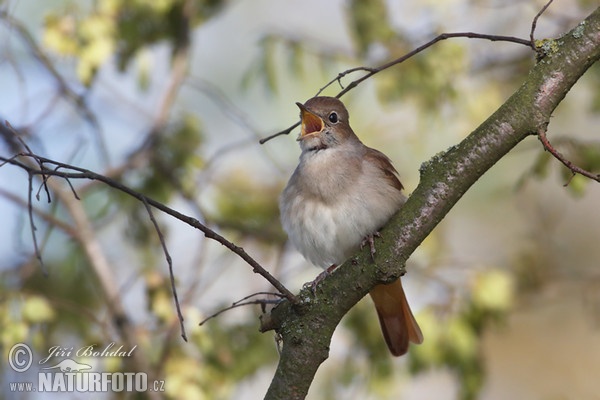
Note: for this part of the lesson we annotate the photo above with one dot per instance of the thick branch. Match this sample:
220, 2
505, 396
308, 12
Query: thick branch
307, 328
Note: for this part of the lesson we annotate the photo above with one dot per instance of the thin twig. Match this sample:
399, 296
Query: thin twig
372, 71
170, 263
81, 173
241, 303
439, 38
44, 186
534, 24
8, 160
258, 294
283, 132
17, 136
574, 168
36, 248
49, 218
72, 189
13, 132
339, 77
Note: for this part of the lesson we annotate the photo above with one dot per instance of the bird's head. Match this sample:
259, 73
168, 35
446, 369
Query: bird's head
324, 124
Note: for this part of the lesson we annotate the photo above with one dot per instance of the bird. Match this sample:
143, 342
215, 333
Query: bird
338, 197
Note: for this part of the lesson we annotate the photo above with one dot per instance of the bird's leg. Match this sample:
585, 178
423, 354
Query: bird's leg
319, 278
369, 239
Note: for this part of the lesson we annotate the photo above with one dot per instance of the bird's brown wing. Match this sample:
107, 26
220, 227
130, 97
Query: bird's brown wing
385, 165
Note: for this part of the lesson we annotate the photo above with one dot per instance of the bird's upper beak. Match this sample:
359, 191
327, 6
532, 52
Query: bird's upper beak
311, 123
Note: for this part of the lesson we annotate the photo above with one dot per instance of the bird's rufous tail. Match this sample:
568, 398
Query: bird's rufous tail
398, 324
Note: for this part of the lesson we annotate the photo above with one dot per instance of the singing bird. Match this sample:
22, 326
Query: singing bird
340, 194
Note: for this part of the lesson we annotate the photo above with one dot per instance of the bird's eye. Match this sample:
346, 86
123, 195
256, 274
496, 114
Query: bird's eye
333, 117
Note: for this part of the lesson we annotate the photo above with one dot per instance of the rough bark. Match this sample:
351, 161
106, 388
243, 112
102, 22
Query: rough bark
306, 328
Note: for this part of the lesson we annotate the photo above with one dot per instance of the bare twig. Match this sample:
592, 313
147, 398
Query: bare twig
13, 134
170, 263
283, 132
372, 71
36, 248
81, 173
49, 218
534, 24
7, 161
243, 302
258, 294
44, 186
439, 38
16, 135
574, 168
72, 189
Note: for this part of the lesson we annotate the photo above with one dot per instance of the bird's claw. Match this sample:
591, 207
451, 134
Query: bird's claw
313, 285
370, 239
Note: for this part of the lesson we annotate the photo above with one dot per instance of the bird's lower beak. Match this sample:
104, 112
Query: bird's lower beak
311, 123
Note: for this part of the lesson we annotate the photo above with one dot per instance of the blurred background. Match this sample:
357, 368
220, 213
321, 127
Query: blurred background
170, 97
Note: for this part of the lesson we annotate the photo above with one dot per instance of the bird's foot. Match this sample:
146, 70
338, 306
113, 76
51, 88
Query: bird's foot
313, 285
370, 239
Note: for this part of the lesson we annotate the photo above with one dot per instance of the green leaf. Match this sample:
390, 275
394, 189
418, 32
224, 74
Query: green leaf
493, 290
37, 309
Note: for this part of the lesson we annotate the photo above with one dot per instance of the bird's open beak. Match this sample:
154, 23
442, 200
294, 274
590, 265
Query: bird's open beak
311, 123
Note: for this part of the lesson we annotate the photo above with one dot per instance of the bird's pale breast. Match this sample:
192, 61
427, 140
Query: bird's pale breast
327, 225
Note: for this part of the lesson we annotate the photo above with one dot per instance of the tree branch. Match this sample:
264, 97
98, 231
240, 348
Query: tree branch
163, 244
307, 327
574, 168
81, 173
375, 70
245, 302
534, 24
